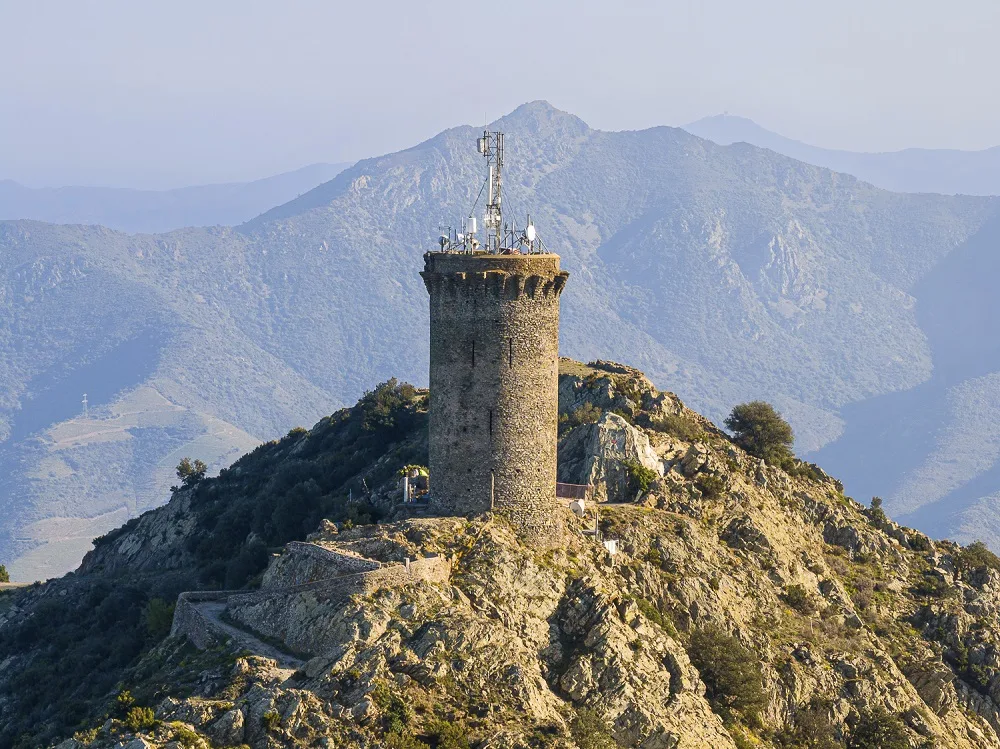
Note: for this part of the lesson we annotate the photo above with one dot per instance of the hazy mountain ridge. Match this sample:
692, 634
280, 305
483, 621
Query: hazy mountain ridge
946, 171
134, 210
726, 273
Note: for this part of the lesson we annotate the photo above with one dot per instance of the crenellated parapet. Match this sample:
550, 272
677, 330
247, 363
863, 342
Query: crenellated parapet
495, 283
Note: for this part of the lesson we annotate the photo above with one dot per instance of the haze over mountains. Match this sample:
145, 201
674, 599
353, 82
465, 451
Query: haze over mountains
725, 272
945, 171
160, 210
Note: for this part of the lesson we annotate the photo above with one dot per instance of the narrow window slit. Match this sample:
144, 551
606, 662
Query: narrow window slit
491, 422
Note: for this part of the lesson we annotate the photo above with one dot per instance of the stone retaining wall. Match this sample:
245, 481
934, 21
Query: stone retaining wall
289, 613
190, 622
295, 614
303, 563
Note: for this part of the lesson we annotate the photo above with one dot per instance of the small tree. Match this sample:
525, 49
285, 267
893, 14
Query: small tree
878, 729
4, 575
731, 673
759, 429
876, 514
590, 731
190, 473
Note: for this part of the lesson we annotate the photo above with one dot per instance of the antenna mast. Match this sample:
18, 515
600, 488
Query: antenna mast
86, 408
491, 146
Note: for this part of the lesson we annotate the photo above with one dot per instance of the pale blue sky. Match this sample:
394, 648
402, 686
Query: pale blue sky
150, 93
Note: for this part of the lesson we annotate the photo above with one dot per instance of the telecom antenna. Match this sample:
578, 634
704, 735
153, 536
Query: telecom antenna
86, 409
500, 238
491, 146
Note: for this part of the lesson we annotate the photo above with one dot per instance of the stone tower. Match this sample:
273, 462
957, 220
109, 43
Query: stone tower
494, 379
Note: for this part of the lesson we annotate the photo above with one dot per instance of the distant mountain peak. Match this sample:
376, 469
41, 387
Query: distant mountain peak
540, 116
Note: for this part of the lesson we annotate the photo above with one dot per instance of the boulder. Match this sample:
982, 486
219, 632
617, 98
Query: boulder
596, 454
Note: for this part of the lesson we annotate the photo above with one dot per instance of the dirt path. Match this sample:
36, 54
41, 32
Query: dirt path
213, 611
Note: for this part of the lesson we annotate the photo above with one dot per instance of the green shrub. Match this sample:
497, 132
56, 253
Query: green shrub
586, 413
139, 719
124, 702
190, 473
4, 575
396, 713
876, 514
710, 485
759, 429
680, 426
930, 585
731, 674
186, 737
976, 557
802, 469
159, 617
590, 731
799, 599
272, 720
878, 729
380, 406
640, 478
448, 735
404, 740
811, 728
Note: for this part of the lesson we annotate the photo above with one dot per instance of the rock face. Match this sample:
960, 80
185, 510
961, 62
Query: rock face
744, 606
599, 454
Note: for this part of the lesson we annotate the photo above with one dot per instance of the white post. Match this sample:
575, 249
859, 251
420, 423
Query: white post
406, 489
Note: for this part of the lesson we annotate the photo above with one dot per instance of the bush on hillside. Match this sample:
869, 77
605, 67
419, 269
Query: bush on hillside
876, 514
4, 575
799, 599
731, 674
976, 557
591, 731
640, 478
759, 429
811, 728
190, 473
680, 426
878, 729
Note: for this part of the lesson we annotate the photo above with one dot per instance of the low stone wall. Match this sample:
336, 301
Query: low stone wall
303, 563
192, 623
294, 614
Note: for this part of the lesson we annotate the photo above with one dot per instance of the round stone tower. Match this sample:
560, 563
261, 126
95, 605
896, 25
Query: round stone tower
494, 380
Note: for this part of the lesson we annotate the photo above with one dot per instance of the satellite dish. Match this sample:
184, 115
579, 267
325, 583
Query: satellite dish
530, 232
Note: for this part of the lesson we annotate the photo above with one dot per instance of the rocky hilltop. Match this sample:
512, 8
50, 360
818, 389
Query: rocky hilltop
724, 602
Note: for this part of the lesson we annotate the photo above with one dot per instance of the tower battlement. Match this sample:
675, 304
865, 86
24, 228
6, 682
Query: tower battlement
494, 380
508, 276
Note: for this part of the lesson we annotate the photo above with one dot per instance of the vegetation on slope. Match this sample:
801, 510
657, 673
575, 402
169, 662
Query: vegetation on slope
65, 662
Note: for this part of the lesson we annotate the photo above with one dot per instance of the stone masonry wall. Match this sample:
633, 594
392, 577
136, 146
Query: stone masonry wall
494, 350
190, 622
293, 614
305, 563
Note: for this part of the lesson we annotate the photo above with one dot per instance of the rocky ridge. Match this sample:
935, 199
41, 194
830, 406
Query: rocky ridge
846, 614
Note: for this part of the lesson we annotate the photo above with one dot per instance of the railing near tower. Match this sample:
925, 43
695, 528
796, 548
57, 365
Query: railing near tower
573, 491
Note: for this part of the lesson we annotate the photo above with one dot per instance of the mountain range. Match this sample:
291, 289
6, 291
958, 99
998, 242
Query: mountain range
726, 272
160, 210
946, 171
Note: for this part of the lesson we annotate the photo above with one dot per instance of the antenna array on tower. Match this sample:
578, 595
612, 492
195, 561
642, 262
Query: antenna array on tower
500, 238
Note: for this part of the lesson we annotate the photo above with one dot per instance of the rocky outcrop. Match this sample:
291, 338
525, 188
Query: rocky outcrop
831, 610
599, 454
